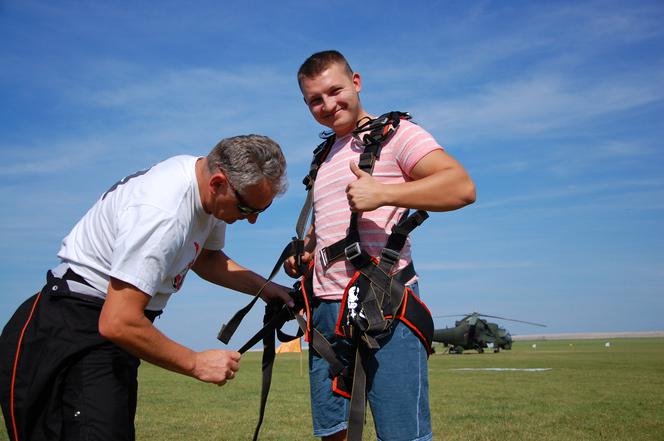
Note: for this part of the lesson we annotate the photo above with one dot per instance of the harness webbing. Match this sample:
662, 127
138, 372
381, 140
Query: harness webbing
276, 315
373, 133
378, 273
228, 329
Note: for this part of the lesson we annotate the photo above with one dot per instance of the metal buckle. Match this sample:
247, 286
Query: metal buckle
390, 255
308, 182
352, 251
322, 255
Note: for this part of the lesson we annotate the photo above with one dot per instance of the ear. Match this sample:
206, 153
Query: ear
217, 182
357, 81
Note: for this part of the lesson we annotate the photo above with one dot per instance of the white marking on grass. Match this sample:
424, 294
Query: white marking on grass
504, 369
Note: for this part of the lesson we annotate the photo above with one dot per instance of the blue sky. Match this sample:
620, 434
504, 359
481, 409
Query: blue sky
555, 109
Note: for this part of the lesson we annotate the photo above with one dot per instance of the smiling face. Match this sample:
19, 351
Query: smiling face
333, 98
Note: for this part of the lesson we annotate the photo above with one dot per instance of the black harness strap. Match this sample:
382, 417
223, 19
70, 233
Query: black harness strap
358, 400
384, 298
388, 290
228, 329
266, 367
320, 153
383, 293
277, 315
373, 133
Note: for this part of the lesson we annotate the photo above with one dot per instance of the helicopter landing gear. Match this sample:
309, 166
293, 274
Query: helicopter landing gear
456, 350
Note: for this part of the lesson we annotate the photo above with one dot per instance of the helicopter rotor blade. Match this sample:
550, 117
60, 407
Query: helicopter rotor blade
513, 320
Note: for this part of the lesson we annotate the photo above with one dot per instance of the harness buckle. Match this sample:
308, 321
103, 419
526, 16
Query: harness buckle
352, 251
322, 255
308, 182
390, 255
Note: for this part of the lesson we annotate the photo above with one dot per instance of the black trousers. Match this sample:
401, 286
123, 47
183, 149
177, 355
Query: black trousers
59, 378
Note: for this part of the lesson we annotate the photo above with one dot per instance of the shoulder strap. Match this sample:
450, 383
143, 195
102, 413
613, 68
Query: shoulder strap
373, 133
320, 153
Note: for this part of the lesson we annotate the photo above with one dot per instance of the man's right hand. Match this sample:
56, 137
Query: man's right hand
216, 366
290, 265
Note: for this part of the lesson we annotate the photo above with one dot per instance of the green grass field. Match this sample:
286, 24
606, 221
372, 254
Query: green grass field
591, 393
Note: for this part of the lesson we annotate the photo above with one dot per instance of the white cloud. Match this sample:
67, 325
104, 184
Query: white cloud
568, 160
540, 105
574, 193
39, 156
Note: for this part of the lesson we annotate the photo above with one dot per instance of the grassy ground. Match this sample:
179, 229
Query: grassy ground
591, 393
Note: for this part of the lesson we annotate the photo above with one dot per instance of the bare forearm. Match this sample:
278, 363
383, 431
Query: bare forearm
439, 183
123, 322
143, 340
443, 191
216, 267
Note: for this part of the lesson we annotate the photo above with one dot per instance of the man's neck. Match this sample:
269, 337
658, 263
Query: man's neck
362, 117
202, 176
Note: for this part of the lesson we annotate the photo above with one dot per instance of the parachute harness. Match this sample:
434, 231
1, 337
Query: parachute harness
373, 299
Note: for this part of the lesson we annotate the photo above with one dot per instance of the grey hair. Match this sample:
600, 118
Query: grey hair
248, 159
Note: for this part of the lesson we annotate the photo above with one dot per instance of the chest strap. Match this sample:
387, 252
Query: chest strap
349, 247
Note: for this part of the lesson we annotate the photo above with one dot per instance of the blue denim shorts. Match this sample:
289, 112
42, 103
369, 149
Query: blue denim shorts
397, 378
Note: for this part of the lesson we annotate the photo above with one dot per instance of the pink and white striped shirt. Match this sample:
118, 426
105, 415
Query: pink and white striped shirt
398, 157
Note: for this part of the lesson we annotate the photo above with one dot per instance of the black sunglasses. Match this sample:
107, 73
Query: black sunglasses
242, 205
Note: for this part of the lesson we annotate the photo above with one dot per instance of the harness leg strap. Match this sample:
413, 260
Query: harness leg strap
358, 400
320, 344
267, 363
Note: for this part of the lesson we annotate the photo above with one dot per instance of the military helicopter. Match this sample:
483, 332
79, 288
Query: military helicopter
473, 332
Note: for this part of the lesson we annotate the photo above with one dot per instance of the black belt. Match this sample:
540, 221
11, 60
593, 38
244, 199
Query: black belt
152, 315
72, 276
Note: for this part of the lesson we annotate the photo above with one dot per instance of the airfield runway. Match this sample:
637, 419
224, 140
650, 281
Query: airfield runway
588, 335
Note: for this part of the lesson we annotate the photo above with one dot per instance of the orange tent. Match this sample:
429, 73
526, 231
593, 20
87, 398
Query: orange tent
291, 346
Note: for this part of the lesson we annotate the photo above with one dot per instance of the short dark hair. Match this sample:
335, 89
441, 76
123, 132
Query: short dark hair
318, 62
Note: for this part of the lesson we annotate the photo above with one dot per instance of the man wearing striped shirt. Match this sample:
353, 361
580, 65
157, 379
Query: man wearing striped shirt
413, 172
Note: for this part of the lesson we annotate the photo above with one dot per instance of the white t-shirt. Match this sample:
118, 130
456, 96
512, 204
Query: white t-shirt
146, 230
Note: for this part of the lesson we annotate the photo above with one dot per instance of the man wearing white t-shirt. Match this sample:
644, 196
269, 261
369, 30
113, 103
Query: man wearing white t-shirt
413, 172
69, 355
